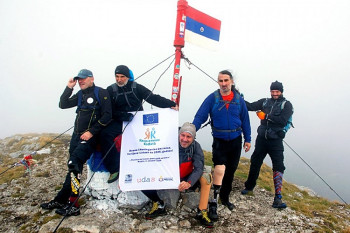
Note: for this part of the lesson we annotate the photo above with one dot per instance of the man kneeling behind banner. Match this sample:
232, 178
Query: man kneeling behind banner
150, 149
191, 160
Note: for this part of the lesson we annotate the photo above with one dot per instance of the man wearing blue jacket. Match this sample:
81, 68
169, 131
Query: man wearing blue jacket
229, 118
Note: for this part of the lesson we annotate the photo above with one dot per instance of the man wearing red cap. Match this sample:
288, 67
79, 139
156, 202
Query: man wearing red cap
274, 113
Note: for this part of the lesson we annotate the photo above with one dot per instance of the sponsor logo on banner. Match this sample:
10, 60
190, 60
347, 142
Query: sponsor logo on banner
150, 137
128, 178
161, 179
146, 179
150, 119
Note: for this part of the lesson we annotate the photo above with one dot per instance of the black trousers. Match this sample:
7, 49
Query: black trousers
227, 153
80, 151
263, 147
107, 136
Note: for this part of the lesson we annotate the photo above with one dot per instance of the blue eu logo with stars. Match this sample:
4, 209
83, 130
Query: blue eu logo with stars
150, 119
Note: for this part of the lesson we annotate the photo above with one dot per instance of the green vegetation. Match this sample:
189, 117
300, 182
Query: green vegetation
298, 200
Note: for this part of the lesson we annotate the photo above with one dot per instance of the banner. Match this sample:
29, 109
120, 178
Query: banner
149, 156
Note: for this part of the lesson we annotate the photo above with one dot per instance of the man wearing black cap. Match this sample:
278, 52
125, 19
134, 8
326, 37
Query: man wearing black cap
94, 112
127, 96
274, 113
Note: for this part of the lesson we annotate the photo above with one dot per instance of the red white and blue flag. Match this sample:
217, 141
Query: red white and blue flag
202, 29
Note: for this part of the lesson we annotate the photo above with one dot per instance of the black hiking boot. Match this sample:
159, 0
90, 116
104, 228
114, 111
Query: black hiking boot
157, 210
202, 216
52, 205
228, 204
213, 215
247, 192
68, 210
278, 204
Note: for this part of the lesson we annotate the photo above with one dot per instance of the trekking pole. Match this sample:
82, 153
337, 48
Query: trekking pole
315, 172
103, 158
24, 161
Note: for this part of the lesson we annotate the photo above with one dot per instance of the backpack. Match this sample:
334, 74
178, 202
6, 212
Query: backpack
80, 97
116, 92
236, 100
290, 120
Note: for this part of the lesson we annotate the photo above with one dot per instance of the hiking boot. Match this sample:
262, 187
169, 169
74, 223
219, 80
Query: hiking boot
202, 216
68, 210
247, 192
52, 205
113, 177
277, 203
213, 215
228, 204
157, 210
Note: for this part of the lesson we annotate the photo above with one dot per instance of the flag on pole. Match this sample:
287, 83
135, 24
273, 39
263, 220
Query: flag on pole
202, 29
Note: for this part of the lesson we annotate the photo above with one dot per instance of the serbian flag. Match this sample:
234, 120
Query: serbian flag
202, 29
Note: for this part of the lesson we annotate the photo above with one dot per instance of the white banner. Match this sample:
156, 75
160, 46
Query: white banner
149, 156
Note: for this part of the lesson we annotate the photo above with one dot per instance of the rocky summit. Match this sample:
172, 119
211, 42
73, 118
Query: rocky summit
22, 192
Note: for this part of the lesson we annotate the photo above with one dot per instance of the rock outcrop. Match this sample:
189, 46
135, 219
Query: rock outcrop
114, 211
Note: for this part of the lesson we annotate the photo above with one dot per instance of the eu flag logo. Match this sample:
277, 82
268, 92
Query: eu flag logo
149, 119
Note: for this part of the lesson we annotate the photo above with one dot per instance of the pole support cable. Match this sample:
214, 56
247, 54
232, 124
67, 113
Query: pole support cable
34, 152
315, 172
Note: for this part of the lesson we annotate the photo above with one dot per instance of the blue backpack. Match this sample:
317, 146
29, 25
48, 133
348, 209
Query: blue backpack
80, 97
235, 100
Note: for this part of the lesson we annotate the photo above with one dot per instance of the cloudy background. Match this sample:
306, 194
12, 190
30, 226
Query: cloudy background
302, 43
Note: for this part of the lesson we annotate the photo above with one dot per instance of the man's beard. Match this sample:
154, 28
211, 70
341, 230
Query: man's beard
121, 85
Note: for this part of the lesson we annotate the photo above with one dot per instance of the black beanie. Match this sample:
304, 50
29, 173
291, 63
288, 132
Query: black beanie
124, 70
276, 86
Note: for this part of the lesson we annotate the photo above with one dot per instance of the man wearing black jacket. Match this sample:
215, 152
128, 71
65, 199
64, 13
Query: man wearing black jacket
127, 96
274, 113
94, 112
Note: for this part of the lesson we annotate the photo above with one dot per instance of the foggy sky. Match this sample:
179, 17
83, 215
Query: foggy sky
303, 43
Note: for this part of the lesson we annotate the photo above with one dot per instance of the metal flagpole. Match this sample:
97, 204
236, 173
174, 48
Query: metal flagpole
179, 43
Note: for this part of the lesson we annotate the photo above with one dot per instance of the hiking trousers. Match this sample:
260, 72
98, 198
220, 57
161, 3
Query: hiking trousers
80, 151
227, 153
273, 147
108, 134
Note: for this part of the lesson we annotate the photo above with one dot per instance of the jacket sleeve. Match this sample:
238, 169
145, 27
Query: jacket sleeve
66, 101
245, 122
255, 106
198, 164
153, 99
203, 111
106, 112
283, 118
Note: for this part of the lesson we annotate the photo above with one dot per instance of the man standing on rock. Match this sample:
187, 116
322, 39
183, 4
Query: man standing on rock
94, 112
229, 118
127, 96
274, 113
191, 159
